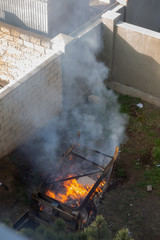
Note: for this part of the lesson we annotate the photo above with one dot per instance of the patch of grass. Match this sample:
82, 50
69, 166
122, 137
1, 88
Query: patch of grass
137, 192
120, 172
140, 194
144, 152
129, 150
141, 118
156, 154
156, 151
154, 115
151, 133
126, 102
151, 177
135, 125
137, 165
139, 125
157, 142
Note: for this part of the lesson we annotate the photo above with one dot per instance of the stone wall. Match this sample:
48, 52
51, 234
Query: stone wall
30, 103
19, 52
48, 17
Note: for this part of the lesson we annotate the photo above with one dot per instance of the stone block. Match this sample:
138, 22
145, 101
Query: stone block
26, 50
39, 49
15, 33
9, 37
2, 62
35, 40
5, 30
24, 37
45, 44
18, 40
28, 44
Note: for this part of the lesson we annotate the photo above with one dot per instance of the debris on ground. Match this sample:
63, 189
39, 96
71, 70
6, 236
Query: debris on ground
149, 188
140, 105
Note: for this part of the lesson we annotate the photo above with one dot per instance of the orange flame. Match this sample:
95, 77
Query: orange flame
41, 208
73, 191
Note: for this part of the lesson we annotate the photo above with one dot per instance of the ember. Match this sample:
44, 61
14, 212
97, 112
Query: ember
68, 195
74, 191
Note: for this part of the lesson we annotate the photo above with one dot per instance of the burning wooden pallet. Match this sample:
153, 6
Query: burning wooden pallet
73, 190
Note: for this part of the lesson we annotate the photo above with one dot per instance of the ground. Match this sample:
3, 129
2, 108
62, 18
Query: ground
127, 202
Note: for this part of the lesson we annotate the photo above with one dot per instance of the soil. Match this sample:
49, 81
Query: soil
12, 205
126, 203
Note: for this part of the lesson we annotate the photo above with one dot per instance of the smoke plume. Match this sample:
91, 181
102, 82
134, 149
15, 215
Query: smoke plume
97, 117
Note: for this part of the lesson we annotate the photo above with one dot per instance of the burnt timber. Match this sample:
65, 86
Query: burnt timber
46, 210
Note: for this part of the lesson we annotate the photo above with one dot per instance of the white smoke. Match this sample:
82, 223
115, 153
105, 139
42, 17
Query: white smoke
101, 124
7, 234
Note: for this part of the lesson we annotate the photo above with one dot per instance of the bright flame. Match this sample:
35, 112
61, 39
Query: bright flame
41, 208
74, 191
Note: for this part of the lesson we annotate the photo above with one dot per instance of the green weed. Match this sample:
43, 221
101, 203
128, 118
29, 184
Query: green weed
157, 142
137, 165
120, 172
156, 154
151, 177
126, 102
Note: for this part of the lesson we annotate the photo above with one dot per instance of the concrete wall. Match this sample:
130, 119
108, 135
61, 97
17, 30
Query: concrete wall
108, 25
133, 59
30, 103
136, 60
144, 13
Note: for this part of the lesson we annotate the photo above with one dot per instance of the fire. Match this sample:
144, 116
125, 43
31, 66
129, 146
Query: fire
73, 191
41, 208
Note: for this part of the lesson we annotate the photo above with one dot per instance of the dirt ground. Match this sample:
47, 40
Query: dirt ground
127, 202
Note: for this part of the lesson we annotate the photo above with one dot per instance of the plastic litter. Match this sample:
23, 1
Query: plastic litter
140, 105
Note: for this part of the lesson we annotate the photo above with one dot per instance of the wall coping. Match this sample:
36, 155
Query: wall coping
138, 29
111, 15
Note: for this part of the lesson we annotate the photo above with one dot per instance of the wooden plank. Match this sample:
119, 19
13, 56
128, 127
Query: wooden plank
74, 177
100, 179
